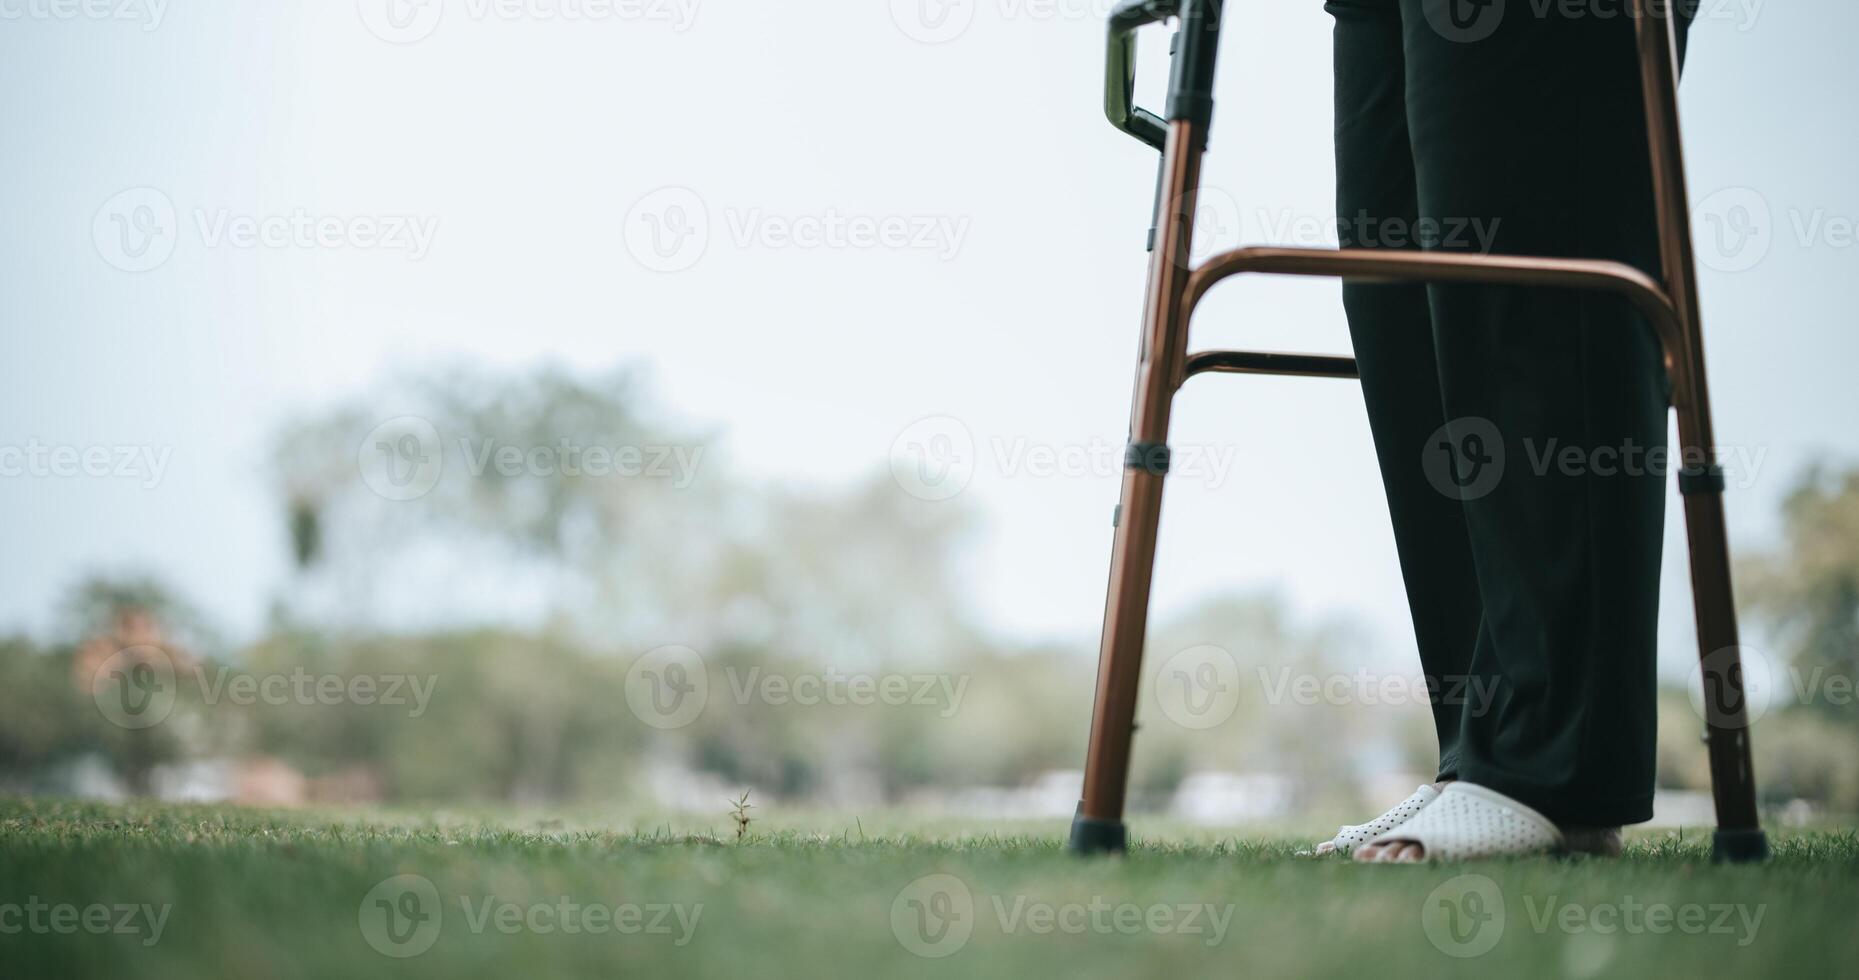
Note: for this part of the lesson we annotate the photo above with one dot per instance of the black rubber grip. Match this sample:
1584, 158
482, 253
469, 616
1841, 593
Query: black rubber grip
1150, 457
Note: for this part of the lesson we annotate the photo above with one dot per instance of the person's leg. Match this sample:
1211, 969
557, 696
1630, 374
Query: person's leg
1392, 331
1535, 123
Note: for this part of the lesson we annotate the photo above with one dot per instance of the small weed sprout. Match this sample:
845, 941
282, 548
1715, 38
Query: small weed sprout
739, 812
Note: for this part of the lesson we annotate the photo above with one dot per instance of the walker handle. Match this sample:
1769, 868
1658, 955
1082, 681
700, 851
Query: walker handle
1120, 69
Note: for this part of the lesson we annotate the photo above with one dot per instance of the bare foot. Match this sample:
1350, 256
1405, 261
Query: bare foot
1396, 851
1355, 835
1598, 841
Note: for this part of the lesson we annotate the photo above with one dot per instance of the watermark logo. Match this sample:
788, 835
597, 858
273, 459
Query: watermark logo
668, 230
934, 916
1464, 459
1464, 917
401, 459
136, 230
1476, 695
668, 687
407, 21
1633, 917
1221, 224
1468, 21
1716, 690
1198, 688
38, 460
1733, 228
1464, 21
1019, 457
933, 21
934, 458
139, 229
401, 917
38, 917
148, 13
831, 687
136, 687
400, 21
1736, 228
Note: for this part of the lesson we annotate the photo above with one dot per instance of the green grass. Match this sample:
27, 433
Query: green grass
281, 894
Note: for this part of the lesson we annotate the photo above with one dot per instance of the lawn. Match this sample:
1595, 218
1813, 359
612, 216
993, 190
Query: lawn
152, 890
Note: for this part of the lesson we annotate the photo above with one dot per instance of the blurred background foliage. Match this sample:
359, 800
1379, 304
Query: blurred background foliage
524, 600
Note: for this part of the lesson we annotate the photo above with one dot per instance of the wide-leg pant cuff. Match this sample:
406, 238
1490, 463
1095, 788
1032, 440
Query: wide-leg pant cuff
1566, 809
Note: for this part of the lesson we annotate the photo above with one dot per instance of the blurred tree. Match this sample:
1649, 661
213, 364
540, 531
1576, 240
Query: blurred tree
546, 492
133, 625
1807, 591
136, 602
43, 717
660, 548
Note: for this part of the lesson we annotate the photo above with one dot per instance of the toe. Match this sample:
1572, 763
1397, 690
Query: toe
1391, 852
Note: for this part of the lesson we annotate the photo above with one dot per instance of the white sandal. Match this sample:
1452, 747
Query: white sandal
1468, 822
1350, 837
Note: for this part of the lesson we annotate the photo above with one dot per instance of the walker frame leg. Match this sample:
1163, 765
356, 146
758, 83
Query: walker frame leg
1175, 288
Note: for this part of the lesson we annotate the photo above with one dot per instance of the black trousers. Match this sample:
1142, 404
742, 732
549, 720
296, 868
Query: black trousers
1521, 432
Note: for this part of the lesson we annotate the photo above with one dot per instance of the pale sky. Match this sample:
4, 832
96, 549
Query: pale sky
888, 230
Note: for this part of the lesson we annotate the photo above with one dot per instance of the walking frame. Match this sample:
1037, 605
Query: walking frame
1176, 286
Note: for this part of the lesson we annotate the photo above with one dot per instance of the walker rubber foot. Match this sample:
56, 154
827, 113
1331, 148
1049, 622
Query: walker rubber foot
1098, 836
1739, 846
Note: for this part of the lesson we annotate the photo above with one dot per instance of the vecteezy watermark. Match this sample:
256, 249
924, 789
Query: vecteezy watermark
147, 14
933, 21
942, 692
942, 21
1735, 228
935, 916
407, 21
38, 917
403, 458
1364, 687
137, 687
1021, 458
1743, 677
1221, 224
1740, 465
669, 687
1467, 915
37, 460
1732, 679
136, 230
1198, 688
935, 458
1468, 21
403, 916
670, 230
1466, 458
139, 229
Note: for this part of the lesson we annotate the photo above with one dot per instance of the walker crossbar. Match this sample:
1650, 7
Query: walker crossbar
1176, 287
